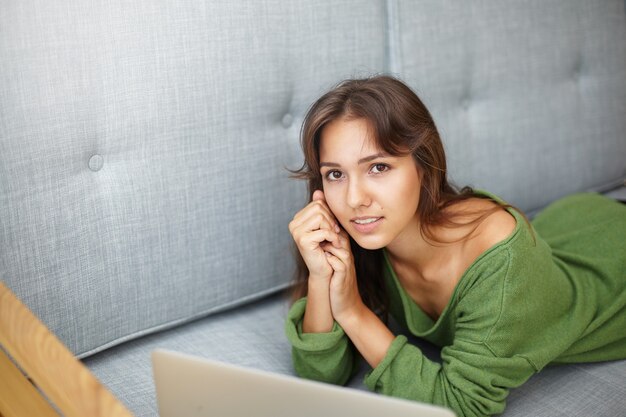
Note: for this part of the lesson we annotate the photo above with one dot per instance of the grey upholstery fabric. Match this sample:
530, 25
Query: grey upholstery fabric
618, 194
144, 147
252, 336
530, 96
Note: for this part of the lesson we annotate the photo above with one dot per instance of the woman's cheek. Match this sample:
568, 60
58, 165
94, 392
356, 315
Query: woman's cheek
333, 203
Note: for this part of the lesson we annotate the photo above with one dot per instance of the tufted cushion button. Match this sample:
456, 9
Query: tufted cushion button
96, 162
287, 120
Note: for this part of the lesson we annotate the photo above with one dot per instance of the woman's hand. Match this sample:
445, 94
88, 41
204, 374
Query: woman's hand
345, 300
367, 332
311, 228
333, 290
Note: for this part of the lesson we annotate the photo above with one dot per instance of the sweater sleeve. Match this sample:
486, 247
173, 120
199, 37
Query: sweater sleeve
471, 380
327, 357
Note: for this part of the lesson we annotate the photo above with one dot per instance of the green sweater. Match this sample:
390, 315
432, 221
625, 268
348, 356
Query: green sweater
555, 296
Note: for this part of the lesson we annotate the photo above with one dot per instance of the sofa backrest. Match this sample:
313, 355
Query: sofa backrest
530, 96
144, 146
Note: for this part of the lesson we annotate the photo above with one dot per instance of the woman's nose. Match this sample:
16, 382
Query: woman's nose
357, 195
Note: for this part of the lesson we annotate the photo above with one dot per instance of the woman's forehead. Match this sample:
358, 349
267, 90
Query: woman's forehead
353, 136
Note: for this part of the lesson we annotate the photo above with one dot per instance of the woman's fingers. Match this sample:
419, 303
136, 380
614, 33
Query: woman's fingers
313, 223
344, 255
314, 210
312, 228
315, 239
318, 203
318, 195
344, 240
336, 263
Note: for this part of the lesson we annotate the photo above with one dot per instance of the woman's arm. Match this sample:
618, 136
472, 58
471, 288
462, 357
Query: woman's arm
320, 348
473, 380
368, 333
326, 356
317, 315
312, 228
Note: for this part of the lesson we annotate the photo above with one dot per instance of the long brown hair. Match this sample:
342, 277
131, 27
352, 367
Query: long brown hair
401, 124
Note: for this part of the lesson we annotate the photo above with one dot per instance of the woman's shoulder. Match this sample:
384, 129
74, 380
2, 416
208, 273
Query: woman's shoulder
488, 245
489, 224
497, 226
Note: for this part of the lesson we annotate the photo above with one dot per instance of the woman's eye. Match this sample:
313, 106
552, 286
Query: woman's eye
334, 175
379, 168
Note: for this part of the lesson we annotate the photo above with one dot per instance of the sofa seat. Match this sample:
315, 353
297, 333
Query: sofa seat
253, 336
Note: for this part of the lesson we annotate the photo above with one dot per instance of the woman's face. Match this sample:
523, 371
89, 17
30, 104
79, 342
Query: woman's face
372, 194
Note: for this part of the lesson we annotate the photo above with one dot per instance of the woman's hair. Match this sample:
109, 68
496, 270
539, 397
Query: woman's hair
400, 124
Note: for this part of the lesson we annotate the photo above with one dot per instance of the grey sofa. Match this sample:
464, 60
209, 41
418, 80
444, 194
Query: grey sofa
144, 147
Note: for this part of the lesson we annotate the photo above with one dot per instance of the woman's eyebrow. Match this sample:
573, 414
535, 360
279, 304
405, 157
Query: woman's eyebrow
372, 157
361, 161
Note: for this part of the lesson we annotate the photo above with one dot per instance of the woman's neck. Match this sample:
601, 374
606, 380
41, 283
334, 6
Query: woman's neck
426, 270
424, 257
411, 250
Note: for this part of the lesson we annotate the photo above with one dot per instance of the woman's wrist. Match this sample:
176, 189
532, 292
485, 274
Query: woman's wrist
319, 279
351, 318
368, 333
317, 315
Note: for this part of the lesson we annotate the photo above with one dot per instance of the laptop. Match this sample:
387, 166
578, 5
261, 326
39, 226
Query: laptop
192, 386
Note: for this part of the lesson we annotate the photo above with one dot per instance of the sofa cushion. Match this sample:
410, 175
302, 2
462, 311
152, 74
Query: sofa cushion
253, 336
144, 147
529, 96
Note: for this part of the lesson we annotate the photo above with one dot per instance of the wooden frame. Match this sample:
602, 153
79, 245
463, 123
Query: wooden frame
51, 368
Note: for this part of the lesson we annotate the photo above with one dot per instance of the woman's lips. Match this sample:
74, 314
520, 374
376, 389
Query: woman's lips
366, 224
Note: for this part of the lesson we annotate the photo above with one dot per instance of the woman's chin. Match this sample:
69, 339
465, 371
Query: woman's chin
369, 242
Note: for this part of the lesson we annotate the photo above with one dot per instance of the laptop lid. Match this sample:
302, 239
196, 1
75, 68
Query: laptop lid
192, 386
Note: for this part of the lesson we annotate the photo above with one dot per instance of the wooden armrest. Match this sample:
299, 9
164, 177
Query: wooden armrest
64, 380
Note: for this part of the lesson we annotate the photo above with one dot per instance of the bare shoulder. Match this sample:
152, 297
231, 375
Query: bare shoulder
482, 225
497, 226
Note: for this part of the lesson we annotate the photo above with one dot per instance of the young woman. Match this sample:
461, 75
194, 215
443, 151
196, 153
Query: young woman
385, 233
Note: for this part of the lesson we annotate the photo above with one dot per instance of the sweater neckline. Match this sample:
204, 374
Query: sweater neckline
420, 323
